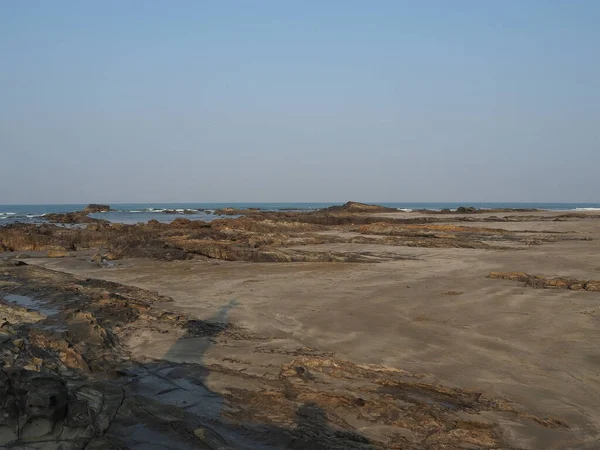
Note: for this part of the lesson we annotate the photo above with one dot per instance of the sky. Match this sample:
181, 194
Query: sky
280, 101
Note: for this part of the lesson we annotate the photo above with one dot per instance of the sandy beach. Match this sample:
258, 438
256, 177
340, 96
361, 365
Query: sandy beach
428, 321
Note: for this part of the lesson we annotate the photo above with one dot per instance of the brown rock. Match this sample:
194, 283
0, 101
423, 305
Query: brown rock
518, 276
541, 282
466, 210
592, 285
94, 208
556, 283
57, 253
181, 221
73, 218
355, 207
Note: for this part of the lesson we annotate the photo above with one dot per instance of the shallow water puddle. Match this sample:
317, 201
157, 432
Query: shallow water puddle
30, 303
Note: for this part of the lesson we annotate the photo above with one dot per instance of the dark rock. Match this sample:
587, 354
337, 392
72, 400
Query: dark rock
355, 207
181, 221
153, 249
466, 210
75, 217
32, 406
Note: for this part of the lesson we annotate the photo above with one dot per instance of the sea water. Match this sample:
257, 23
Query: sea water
143, 212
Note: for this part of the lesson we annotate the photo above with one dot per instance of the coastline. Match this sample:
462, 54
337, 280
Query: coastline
371, 328
167, 212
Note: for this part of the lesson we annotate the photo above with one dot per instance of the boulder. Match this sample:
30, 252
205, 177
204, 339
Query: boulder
41, 411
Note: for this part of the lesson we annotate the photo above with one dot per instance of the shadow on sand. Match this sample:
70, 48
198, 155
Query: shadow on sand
180, 412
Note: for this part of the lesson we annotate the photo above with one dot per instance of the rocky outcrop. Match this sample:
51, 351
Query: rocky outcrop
96, 208
70, 218
355, 207
264, 236
235, 211
541, 282
78, 217
245, 252
466, 210
125, 247
440, 235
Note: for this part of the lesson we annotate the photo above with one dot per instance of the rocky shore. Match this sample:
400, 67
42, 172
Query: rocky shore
176, 336
273, 236
68, 380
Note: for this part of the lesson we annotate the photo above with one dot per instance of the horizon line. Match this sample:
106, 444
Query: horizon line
466, 202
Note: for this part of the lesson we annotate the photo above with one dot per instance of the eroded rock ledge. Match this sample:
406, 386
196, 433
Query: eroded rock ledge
541, 282
273, 236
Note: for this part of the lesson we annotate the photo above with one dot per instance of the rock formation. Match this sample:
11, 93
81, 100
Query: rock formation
355, 207
95, 208
541, 282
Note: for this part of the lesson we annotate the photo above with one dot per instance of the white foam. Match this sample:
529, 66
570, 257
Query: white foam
405, 209
587, 209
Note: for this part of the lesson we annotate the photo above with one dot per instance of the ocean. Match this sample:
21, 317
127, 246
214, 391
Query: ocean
142, 212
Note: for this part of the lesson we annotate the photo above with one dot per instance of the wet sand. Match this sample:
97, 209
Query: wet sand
434, 313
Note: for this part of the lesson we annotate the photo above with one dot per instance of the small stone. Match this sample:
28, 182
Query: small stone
556, 283
200, 433
593, 285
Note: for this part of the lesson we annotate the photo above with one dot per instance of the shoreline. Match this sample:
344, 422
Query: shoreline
367, 329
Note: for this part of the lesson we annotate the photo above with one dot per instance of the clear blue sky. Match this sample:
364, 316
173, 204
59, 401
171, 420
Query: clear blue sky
131, 101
